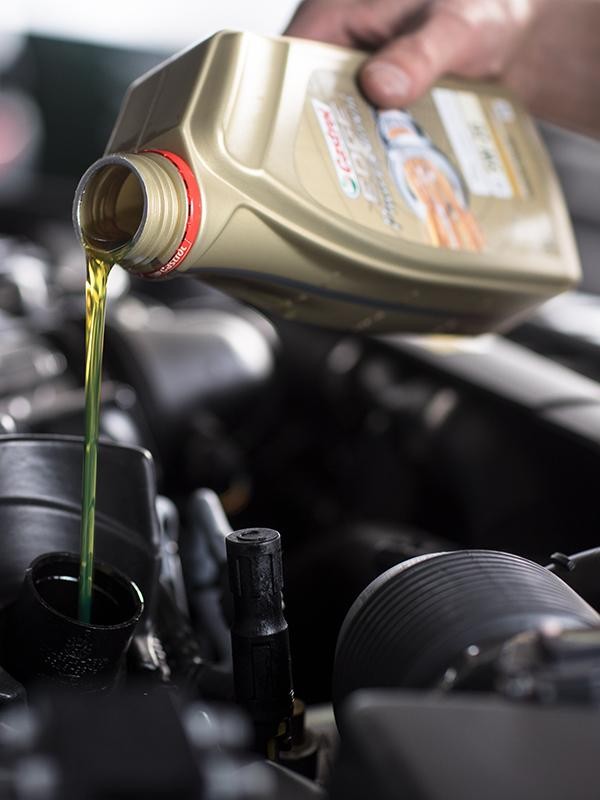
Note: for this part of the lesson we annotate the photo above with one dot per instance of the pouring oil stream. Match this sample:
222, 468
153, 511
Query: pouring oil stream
98, 270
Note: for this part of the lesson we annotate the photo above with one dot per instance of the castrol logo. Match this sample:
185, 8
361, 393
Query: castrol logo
338, 151
180, 254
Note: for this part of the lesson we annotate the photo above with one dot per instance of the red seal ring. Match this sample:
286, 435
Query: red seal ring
194, 215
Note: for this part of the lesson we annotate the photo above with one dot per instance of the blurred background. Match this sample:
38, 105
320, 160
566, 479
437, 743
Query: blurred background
63, 70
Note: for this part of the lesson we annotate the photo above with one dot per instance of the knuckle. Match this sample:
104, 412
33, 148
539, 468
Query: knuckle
468, 16
475, 14
423, 53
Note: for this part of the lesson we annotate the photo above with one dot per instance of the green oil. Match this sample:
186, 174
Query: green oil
98, 269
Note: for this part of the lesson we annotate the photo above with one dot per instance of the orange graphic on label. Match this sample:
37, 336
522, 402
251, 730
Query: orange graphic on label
448, 222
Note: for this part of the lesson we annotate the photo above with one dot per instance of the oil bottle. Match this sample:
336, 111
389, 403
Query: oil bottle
256, 164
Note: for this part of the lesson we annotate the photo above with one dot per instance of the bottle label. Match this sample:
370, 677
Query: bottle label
454, 171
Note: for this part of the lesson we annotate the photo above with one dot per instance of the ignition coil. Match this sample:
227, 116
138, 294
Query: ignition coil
259, 636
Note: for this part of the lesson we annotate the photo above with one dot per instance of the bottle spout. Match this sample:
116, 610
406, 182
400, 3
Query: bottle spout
136, 210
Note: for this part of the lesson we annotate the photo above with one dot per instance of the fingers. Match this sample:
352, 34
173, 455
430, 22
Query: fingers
352, 23
471, 38
323, 21
372, 23
404, 69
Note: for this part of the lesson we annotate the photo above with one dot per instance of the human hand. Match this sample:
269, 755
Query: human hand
418, 41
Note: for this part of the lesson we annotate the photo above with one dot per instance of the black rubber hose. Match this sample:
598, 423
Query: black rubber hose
414, 621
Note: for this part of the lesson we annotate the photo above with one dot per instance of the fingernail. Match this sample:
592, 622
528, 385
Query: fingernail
390, 80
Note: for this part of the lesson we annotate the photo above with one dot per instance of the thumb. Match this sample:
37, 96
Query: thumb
403, 70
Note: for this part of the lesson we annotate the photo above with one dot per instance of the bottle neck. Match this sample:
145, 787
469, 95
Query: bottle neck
141, 210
